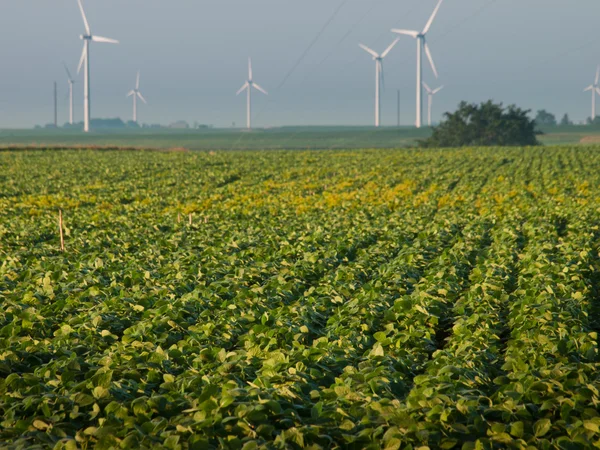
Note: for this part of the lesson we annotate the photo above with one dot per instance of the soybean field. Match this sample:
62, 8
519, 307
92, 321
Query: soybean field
395, 299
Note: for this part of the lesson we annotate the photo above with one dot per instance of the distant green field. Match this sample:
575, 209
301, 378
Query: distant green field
286, 138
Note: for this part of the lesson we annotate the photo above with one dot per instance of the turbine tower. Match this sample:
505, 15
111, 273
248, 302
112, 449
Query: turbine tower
248, 85
430, 94
378, 76
595, 88
85, 60
71, 83
136, 93
421, 38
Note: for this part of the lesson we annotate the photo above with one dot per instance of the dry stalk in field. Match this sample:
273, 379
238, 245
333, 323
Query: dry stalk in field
60, 230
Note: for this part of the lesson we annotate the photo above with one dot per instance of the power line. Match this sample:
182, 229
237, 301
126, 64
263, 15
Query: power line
302, 56
349, 32
476, 13
564, 53
312, 43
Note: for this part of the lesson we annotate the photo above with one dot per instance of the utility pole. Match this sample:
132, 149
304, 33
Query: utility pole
55, 106
398, 108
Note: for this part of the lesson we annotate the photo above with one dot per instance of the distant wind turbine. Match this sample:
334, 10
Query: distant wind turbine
430, 94
595, 88
421, 38
379, 78
85, 60
136, 93
71, 83
248, 86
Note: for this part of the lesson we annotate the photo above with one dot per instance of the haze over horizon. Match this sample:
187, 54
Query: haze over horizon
193, 58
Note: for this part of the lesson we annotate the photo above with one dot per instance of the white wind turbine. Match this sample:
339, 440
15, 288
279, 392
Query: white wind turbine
595, 88
430, 94
378, 76
248, 85
71, 83
85, 60
136, 93
422, 44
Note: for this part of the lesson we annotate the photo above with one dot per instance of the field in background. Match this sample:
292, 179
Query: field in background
296, 299
291, 138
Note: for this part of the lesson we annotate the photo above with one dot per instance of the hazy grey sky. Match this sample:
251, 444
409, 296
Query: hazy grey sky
192, 54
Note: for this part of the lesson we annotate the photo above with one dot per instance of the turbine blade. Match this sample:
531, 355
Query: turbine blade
435, 91
406, 32
139, 94
82, 59
85, 21
380, 63
389, 49
598, 90
137, 82
427, 88
431, 19
589, 88
131, 93
104, 40
428, 52
68, 72
368, 50
243, 88
250, 69
258, 88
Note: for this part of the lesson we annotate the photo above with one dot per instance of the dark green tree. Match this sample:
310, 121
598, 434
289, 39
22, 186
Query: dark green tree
484, 125
565, 121
545, 119
596, 121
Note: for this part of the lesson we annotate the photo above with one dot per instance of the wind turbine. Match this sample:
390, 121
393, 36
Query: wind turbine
248, 86
378, 76
430, 94
85, 60
421, 38
595, 88
71, 83
136, 93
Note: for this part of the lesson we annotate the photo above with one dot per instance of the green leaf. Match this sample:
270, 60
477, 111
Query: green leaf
168, 378
517, 429
70, 445
542, 427
380, 336
347, 425
100, 392
592, 425
40, 425
448, 443
377, 350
